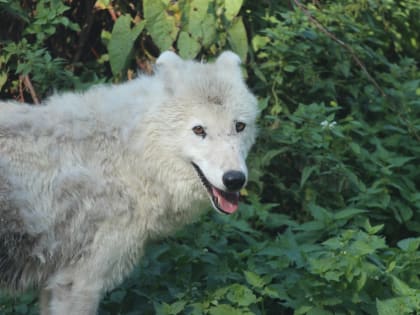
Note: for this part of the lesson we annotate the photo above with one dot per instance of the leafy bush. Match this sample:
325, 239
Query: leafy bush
330, 219
341, 130
31, 42
57, 44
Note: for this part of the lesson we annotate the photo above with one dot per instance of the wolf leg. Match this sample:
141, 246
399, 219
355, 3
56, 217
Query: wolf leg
44, 302
70, 299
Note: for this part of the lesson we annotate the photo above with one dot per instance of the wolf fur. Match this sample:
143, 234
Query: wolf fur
87, 178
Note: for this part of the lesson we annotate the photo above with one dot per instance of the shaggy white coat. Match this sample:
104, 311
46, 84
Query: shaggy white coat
87, 178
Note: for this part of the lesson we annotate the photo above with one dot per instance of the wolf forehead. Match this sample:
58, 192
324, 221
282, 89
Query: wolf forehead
220, 82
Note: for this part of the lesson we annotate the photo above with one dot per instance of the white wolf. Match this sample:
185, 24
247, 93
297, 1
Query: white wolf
87, 178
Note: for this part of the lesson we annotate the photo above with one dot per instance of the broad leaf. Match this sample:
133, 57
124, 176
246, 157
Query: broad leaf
121, 42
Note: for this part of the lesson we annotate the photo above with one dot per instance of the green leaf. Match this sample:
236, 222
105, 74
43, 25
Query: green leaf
188, 47
259, 41
405, 213
334, 243
177, 307
409, 244
319, 311
169, 309
14, 9
391, 306
270, 154
289, 68
201, 22
361, 281
306, 173
160, 23
209, 27
372, 229
312, 226
366, 245
237, 38
355, 147
254, 279
320, 213
232, 8
102, 4
241, 295
3, 79
275, 291
348, 213
400, 287
121, 42
224, 309
399, 161
355, 180
303, 309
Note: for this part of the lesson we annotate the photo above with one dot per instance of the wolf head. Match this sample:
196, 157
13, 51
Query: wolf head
212, 116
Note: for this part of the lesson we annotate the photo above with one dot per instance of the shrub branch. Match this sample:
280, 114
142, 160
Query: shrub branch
28, 84
353, 54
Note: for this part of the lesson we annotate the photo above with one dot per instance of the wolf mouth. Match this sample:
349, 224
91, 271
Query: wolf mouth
223, 201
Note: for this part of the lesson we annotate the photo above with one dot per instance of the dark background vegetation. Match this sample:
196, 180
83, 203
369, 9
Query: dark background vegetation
330, 222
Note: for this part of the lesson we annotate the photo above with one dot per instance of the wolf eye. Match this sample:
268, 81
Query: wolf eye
199, 131
240, 126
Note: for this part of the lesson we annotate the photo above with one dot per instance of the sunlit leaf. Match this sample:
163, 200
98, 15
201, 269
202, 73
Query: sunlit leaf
121, 42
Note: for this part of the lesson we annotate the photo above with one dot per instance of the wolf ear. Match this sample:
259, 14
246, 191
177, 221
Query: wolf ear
168, 59
229, 60
168, 65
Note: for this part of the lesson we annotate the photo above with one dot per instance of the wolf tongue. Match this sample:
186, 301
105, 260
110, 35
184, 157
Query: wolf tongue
227, 202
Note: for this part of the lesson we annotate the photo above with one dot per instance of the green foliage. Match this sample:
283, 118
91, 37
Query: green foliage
196, 25
28, 55
24, 304
50, 42
330, 222
341, 130
120, 46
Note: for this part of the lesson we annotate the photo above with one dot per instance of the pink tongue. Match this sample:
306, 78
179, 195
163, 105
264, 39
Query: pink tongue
228, 202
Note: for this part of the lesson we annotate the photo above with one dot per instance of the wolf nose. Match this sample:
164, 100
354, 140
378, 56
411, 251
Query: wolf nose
234, 180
